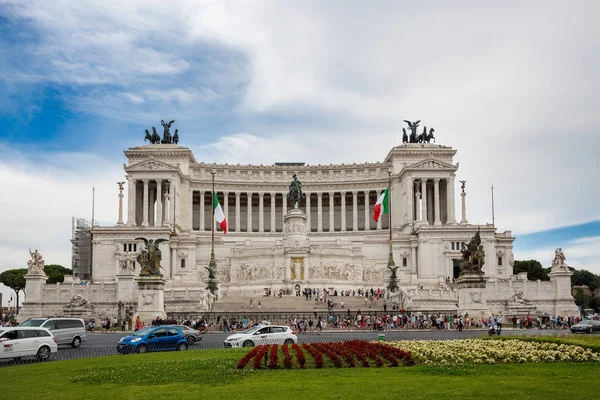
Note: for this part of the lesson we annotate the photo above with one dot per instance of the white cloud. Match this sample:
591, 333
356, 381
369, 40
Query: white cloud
39, 199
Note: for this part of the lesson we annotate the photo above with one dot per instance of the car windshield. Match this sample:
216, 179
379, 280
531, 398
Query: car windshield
143, 331
586, 323
251, 330
32, 322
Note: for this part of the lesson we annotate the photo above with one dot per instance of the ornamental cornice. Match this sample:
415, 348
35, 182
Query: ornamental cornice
151, 164
161, 151
248, 174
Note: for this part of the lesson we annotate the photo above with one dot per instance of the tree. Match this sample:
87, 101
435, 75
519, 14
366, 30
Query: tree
56, 273
585, 278
14, 279
533, 268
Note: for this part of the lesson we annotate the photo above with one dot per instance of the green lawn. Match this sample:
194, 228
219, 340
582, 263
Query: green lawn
211, 374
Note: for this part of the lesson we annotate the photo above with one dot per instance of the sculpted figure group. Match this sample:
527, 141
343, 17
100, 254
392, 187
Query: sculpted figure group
154, 138
473, 256
414, 138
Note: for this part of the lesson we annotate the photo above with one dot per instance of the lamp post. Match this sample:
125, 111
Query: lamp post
212, 265
392, 286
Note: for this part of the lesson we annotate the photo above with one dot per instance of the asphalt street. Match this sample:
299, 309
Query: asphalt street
215, 339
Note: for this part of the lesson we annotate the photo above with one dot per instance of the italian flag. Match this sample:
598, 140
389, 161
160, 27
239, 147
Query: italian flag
219, 215
382, 202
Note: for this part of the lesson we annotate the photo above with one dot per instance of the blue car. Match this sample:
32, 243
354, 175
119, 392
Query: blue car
159, 338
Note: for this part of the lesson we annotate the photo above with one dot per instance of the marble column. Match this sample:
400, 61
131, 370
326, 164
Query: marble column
120, 220
172, 207
145, 203
226, 207
367, 211
158, 221
380, 221
166, 205
308, 223
436, 196
261, 212
413, 259
331, 212
418, 216
238, 223
450, 200
319, 212
354, 210
249, 211
202, 211
190, 208
131, 184
343, 225
273, 227
284, 207
464, 208
424, 201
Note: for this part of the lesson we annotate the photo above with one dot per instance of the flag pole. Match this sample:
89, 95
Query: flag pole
391, 262
212, 265
493, 216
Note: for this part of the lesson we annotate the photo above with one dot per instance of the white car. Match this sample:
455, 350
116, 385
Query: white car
17, 342
262, 334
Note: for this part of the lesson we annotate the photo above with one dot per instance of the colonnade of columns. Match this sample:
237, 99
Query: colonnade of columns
433, 201
333, 211
150, 202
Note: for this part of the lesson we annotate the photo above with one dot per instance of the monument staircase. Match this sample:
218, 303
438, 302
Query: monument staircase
292, 303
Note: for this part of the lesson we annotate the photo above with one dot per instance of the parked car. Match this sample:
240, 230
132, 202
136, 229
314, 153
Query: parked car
191, 335
69, 331
586, 326
160, 338
280, 334
17, 342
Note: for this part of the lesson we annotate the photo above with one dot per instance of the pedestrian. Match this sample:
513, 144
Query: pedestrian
259, 304
384, 306
123, 324
250, 303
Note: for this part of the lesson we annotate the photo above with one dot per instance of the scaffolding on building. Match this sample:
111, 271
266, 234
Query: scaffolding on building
81, 239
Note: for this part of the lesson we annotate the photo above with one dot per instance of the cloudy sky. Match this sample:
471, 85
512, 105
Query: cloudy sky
513, 86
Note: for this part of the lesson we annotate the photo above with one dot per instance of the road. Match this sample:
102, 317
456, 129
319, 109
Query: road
105, 344
215, 339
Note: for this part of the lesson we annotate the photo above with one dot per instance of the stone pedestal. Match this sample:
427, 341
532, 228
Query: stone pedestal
296, 247
564, 303
472, 298
151, 298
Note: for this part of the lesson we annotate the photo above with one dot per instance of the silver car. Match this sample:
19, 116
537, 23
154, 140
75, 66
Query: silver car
191, 335
69, 331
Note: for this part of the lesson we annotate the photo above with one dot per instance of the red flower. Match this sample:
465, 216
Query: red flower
273, 361
287, 357
244, 361
299, 355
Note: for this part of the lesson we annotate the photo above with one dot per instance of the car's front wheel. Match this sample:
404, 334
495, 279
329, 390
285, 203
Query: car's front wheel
76, 342
248, 343
288, 341
182, 347
191, 340
43, 353
142, 348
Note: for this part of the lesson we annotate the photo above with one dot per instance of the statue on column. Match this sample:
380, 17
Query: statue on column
462, 185
36, 264
295, 192
473, 256
559, 260
150, 257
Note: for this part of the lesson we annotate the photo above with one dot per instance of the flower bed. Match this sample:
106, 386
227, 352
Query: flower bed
478, 351
338, 355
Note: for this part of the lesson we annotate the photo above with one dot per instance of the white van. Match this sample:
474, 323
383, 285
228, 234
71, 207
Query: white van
66, 330
17, 342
